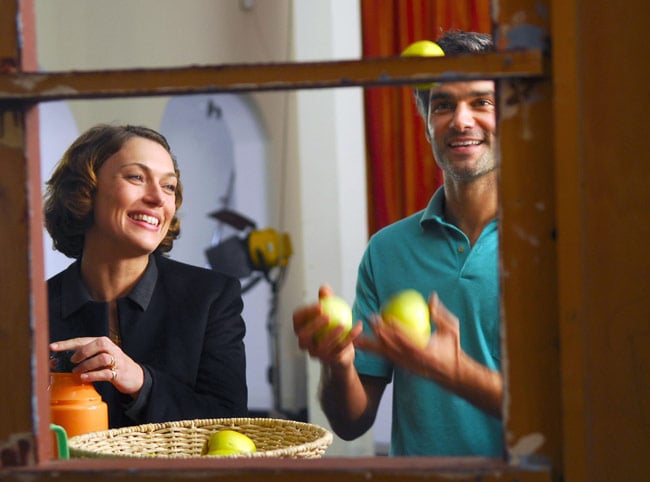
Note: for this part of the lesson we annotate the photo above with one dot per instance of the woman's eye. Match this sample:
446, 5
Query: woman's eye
135, 177
170, 188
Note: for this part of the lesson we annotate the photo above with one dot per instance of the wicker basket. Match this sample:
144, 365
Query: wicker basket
188, 438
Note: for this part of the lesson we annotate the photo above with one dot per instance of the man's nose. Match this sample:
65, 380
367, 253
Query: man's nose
463, 117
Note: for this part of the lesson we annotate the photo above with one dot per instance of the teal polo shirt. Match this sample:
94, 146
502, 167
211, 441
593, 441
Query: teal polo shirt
425, 253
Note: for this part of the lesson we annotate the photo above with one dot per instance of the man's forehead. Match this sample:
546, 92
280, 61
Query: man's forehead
463, 89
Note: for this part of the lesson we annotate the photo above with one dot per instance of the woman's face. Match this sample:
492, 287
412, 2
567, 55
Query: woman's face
135, 200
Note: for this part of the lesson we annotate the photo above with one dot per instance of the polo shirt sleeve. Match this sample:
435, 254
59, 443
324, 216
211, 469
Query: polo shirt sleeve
366, 302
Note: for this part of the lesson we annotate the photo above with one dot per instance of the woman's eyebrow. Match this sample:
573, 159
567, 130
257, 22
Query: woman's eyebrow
148, 169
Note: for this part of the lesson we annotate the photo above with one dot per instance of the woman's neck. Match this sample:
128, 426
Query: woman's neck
108, 278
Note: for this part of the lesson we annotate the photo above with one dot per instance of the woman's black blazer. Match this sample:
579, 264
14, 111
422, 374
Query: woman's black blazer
182, 324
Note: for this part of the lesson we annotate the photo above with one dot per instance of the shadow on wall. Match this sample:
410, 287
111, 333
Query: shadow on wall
221, 150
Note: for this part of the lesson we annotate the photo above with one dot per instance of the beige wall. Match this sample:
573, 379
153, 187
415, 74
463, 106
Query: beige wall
98, 34
315, 138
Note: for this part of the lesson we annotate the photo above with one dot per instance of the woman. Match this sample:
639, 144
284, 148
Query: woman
162, 340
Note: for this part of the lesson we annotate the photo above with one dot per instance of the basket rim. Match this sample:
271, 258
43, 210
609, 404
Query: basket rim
324, 438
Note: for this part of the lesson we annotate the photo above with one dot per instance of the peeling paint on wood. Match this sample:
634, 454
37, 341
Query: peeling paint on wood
18, 451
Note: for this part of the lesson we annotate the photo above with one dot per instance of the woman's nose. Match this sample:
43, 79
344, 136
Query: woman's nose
154, 195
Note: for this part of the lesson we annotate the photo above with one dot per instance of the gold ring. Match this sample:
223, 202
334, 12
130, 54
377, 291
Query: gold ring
112, 366
114, 372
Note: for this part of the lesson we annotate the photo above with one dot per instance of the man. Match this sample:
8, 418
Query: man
447, 396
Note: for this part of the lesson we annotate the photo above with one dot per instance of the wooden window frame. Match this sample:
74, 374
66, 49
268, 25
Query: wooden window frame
532, 406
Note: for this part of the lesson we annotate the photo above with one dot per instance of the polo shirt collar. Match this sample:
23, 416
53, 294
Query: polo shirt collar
75, 295
435, 210
435, 213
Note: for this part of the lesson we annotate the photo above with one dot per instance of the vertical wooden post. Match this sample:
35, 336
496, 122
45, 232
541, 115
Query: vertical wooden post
567, 158
601, 115
23, 327
528, 244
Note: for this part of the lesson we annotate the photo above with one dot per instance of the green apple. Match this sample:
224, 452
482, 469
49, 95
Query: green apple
339, 314
423, 48
408, 312
225, 452
230, 442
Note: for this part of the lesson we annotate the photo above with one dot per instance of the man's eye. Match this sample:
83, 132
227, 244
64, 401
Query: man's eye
484, 103
442, 107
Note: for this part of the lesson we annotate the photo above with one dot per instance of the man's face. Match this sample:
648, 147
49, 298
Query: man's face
461, 128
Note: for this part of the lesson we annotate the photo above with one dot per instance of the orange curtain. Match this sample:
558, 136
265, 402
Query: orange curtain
401, 172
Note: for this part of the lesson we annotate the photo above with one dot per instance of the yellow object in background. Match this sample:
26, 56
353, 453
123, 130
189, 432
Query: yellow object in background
268, 248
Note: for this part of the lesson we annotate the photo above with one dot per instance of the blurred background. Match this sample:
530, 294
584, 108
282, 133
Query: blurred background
325, 167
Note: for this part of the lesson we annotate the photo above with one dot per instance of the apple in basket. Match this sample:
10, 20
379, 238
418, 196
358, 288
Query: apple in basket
230, 442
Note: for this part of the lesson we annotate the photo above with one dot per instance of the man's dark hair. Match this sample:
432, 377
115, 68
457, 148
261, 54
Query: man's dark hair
454, 42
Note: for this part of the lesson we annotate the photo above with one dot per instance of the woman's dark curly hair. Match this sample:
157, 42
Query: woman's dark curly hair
70, 192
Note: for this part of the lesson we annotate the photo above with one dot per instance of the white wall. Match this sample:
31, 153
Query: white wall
315, 138
331, 174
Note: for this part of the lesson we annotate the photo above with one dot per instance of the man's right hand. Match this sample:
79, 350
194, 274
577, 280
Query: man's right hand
349, 402
329, 348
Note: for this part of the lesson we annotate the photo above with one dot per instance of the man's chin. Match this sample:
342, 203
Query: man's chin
469, 174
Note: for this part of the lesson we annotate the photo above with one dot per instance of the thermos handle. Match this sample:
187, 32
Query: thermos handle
61, 440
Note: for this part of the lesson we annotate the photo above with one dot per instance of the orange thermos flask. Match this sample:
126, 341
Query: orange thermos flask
76, 406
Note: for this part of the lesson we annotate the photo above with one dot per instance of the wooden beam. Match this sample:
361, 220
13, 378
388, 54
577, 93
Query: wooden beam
387, 469
41, 86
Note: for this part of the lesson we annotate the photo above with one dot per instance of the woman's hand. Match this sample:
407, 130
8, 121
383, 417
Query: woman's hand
101, 360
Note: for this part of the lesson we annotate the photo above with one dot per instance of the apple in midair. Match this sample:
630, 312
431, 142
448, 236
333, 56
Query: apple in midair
423, 48
408, 312
338, 312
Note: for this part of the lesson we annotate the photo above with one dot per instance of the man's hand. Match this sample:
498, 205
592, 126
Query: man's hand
349, 403
329, 348
441, 360
438, 360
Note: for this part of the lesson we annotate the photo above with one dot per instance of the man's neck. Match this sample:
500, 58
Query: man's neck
471, 206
